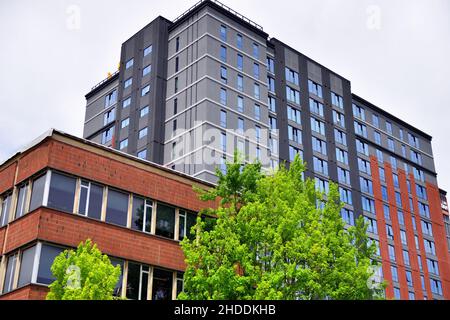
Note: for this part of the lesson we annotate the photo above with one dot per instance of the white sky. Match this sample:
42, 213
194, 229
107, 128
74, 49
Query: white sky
394, 52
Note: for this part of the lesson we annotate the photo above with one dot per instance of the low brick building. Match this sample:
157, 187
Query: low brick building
62, 190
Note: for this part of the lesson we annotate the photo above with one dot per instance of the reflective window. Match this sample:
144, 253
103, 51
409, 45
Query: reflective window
26, 266
6, 205
21, 200
117, 208
187, 221
62, 192
142, 214
37, 193
10, 273
48, 255
137, 281
91, 198
165, 221
162, 284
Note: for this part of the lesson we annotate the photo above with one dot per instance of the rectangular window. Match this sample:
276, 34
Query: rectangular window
142, 154
147, 70
270, 65
258, 133
109, 117
273, 123
360, 129
316, 107
318, 126
117, 208
91, 198
337, 100
129, 63
340, 137
123, 144
187, 221
292, 95
176, 85
409, 280
429, 247
320, 166
165, 221
177, 64
436, 286
48, 255
137, 281
433, 266
240, 104
255, 51
389, 127
177, 44
272, 103
319, 146
348, 216
145, 91
240, 82
257, 112
322, 185
371, 225
144, 111
362, 147
239, 41
339, 118
394, 273
389, 232
128, 83
384, 193
62, 192
223, 53
223, 33
345, 195
26, 266
142, 214
403, 237
342, 156
377, 137
294, 134
110, 98
391, 144
143, 133
368, 204
391, 251
364, 166
401, 218
6, 205
240, 62
271, 84
292, 76
162, 284
10, 273
366, 185
294, 115
223, 118
223, 74
406, 257
343, 176
293, 151
256, 91
223, 96
37, 193
426, 228
375, 121
315, 88
148, 50
126, 103
359, 112
386, 212
256, 70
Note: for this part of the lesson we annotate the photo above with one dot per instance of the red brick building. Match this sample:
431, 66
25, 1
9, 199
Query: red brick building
63, 190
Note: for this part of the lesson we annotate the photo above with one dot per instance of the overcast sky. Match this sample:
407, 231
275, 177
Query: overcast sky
395, 53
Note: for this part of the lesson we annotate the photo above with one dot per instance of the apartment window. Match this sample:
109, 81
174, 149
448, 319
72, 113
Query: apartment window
319, 146
393, 162
117, 208
143, 133
320, 166
162, 284
270, 65
401, 218
406, 258
382, 174
26, 266
426, 228
294, 115
126, 103
366, 185
273, 123
272, 103
137, 281
165, 221
342, 156
419, 258
223, 75
316, 107
240, 62
337, 100
429, 246
343, 175
293, 151
397, 293
292, 76
271, 84
174, 126
340, 137
294, 134
240, 82
413, 140
292, 95
389, 232
239, 41
391, 144
376, 121
110, 98
10, 273
223, 96
6, 205
348, 216
364, 166
424, 210
389, 127
240, 104
362, 147
380, 157
125, 123
371, 225
409, 279
147, 70
107, 135
433, 266
145, 91
177, 44
187, 221
223, 118
258, 133
317, 126
367, 204
144, 111
391, 251
176, 85
129, 63
177, 64
421, 192
142, 154
273, 145
360, 129
256, 91
359, 112
90, 201
240, 125
37, 193
223, 33
315, 88
175, 106
123, 144
345, 195
394, 273
436, 286
128, 83
257, 112
398, 199
416, 157
109, 116
403, 237
339, 118
62, 192
419, 174
223, 53
142, 214
377, 137
148, 50
416, 241
256, 70
255, 51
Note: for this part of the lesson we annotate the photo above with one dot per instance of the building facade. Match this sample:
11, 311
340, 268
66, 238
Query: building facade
190, 92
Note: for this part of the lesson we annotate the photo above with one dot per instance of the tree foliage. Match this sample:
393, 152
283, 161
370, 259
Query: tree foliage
84, 274
276, 237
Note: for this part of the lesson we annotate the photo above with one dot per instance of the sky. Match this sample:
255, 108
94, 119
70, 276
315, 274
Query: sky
395, 53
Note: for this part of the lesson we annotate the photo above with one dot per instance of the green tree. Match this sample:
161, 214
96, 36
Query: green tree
84, 274
277, 237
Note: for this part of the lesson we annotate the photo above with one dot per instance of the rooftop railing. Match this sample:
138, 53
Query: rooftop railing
105, 80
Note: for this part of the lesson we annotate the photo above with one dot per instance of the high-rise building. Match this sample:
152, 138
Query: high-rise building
190, 92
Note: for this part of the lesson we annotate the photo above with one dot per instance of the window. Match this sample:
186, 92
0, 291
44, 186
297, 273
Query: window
368, 204
175, 106
426, 228
223, 33
273, 123
177, 44
240, 125
403, 237
6, 205
273, 145
436, 286
142, 214
240, 62
223, 54
123, 144
256, 70
421, 192
107, 135
398, 199
315, 88
293, 151
320, 166
379, 156
142, 154
117, 208
37, 193
294, 134
366, 185
180, 283
239, 41
362, 147
292, 95
416, 241
316, 107
145, 91
48, 255
109, 117
177, 64
240, 104
343, 175
393, 163
174, 126
129, 64
433, 266
294, 115
360, 129
223, 75
339, 118
257, 91
147, 70
165, 221
187, 221
240, 82
125, 123
128, 83
371, 225
359, 112
397, 293
223, 96
144, 111
391, 251
137, 281
395, 180
318, 126
429, 246
162, 284
389, 127
257, 112
342, 156
10, 273
258, 133
375, 121
270, 65
382, 174
340, 137
176, 85
384, 193
389, 232
409, 280
110, 98
424, 210
271, 84
62, 192
390, 144
272, 103
348, 216
148, 50
91, 198
345, 195
126, 103
401, 218
322, 185
143, 132
394, 272
292, 76
255, 51
377, 137
412, 139
364, 166
26, 266
406, 257
419, 174
337, 100
319, 146
416, 157
223, 118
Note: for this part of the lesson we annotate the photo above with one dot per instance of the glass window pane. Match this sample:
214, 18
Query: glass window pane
10, 273
133, 277
6, 205
118, 287
21, 198
95, 202
62, 192
165, 221
48, 255
117, 208
162, 284
26, 266
37, 193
